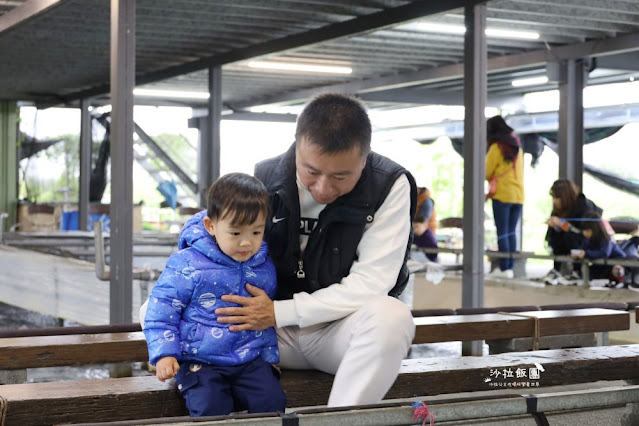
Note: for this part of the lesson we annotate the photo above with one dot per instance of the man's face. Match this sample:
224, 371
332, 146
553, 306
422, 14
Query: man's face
328, 176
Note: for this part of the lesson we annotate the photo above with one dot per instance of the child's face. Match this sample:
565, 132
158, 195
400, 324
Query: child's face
238, 242
587, 233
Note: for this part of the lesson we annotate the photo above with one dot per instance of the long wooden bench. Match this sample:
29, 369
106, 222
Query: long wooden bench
146, 397
97, 348
518, 324
524, 255
82, 329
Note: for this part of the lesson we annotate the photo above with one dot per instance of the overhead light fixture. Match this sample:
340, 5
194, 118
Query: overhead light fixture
441, 28
502, 33
490, 32
533, 81
288, 66
174, 94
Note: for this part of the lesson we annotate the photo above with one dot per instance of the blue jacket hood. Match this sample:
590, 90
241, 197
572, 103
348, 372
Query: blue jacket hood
192, 231
195, 235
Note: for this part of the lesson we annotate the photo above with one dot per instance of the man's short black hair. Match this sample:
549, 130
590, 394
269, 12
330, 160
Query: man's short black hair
239, 196
335, 123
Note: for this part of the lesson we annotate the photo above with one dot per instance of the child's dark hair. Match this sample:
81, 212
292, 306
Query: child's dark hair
599, 233
239, 196
420, 219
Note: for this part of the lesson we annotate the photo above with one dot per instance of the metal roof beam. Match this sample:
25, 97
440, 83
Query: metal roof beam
431, 97
244, 116
616, 115
625, 62
563, 14
381, 19
596, 48
25, 12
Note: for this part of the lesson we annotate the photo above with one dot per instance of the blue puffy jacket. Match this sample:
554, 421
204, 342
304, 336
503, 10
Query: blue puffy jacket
180, 320
608, 250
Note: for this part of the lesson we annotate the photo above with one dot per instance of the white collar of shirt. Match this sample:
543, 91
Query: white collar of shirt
309, 209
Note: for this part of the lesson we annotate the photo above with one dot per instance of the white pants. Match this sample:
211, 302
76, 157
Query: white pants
363, 350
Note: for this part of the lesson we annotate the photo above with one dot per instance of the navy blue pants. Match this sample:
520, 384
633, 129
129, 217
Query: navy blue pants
507, 215
427, 239
212, 391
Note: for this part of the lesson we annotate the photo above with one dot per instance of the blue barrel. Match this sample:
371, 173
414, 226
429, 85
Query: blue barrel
69, 221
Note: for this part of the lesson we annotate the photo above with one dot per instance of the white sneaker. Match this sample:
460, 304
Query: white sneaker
599, 282
571, 279
498, 273
551, 277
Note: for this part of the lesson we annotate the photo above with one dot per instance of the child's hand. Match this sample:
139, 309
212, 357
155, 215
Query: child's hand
577, 254
419, 228
166, 368
553, 221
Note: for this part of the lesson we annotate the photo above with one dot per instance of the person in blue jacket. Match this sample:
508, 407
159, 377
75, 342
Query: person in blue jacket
597, 244
217, 371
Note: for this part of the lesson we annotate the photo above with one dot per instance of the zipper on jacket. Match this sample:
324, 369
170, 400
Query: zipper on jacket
300, 272
294, 237
242, 279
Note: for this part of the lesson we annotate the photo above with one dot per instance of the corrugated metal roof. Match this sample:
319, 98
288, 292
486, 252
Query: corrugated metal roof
62, 52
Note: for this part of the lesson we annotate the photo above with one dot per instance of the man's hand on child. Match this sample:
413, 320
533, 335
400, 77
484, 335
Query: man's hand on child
256, 313
166, 368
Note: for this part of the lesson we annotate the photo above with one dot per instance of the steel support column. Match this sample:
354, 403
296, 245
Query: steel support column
570, 136
209, 169
122, 84
202, 156
85, 164
8, 162
474, 151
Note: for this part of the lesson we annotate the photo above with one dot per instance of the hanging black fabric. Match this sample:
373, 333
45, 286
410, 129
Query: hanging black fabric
30, 146
98, 179
534, 144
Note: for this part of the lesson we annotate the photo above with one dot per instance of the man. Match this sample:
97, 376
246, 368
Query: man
339, 234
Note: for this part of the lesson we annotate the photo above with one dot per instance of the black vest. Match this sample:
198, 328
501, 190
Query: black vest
332, 245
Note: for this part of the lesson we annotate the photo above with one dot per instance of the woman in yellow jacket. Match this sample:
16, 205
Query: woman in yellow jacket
505, 161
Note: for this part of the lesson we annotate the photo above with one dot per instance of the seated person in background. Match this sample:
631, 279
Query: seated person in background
217, 371
597, 244
425, 223
569, 206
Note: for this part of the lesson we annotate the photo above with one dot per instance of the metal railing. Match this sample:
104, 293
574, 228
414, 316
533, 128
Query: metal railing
585, 263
